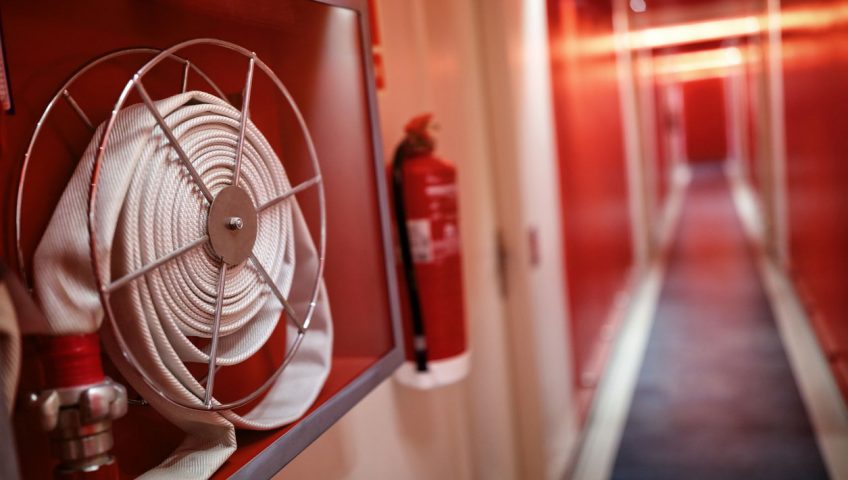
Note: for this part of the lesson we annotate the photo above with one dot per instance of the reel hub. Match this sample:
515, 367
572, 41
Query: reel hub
232, 225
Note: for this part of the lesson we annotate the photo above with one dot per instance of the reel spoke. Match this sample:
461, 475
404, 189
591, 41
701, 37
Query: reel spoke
155, 264
186, 69
171, 138
216, 324
74, 105
286, 305
245, 113
294, 191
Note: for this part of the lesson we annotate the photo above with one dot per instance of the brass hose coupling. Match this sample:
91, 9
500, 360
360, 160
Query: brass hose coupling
79, 420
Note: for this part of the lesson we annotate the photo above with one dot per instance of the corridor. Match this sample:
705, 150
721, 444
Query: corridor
715, 398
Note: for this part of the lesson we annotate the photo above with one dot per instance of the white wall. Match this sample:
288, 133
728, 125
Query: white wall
457, 79
515, 40
466, 430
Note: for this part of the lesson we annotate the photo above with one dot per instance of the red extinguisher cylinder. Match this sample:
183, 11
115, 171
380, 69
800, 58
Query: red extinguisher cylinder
430, 199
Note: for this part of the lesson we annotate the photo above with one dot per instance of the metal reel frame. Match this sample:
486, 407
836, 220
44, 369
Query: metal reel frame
106, 288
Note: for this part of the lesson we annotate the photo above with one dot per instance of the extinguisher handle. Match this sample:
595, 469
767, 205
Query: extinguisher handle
419, 340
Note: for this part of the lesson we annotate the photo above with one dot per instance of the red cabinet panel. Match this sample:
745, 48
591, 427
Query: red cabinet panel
317, 51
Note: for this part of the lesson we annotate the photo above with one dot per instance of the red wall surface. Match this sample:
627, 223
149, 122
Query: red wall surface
593, 177
663, 123
705, 119
815, 69
753, 93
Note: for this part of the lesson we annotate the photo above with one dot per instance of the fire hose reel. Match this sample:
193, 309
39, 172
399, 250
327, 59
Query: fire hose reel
180, 228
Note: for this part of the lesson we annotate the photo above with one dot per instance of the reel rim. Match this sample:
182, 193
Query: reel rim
64, 92
209, 404
103, 288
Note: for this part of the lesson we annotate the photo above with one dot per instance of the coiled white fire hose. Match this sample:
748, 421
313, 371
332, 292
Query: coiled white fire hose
148, 207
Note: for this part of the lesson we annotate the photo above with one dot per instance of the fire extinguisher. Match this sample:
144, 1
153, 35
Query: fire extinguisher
425, 206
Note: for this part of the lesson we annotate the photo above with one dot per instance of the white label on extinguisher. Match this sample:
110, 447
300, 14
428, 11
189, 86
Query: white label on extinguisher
420, 240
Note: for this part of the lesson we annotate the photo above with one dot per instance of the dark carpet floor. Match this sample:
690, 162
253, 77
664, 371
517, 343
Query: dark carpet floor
715, 398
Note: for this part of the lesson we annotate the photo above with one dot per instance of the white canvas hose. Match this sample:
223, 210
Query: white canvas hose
148, 207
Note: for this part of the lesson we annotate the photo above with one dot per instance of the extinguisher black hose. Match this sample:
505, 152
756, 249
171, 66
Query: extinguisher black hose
419, 342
